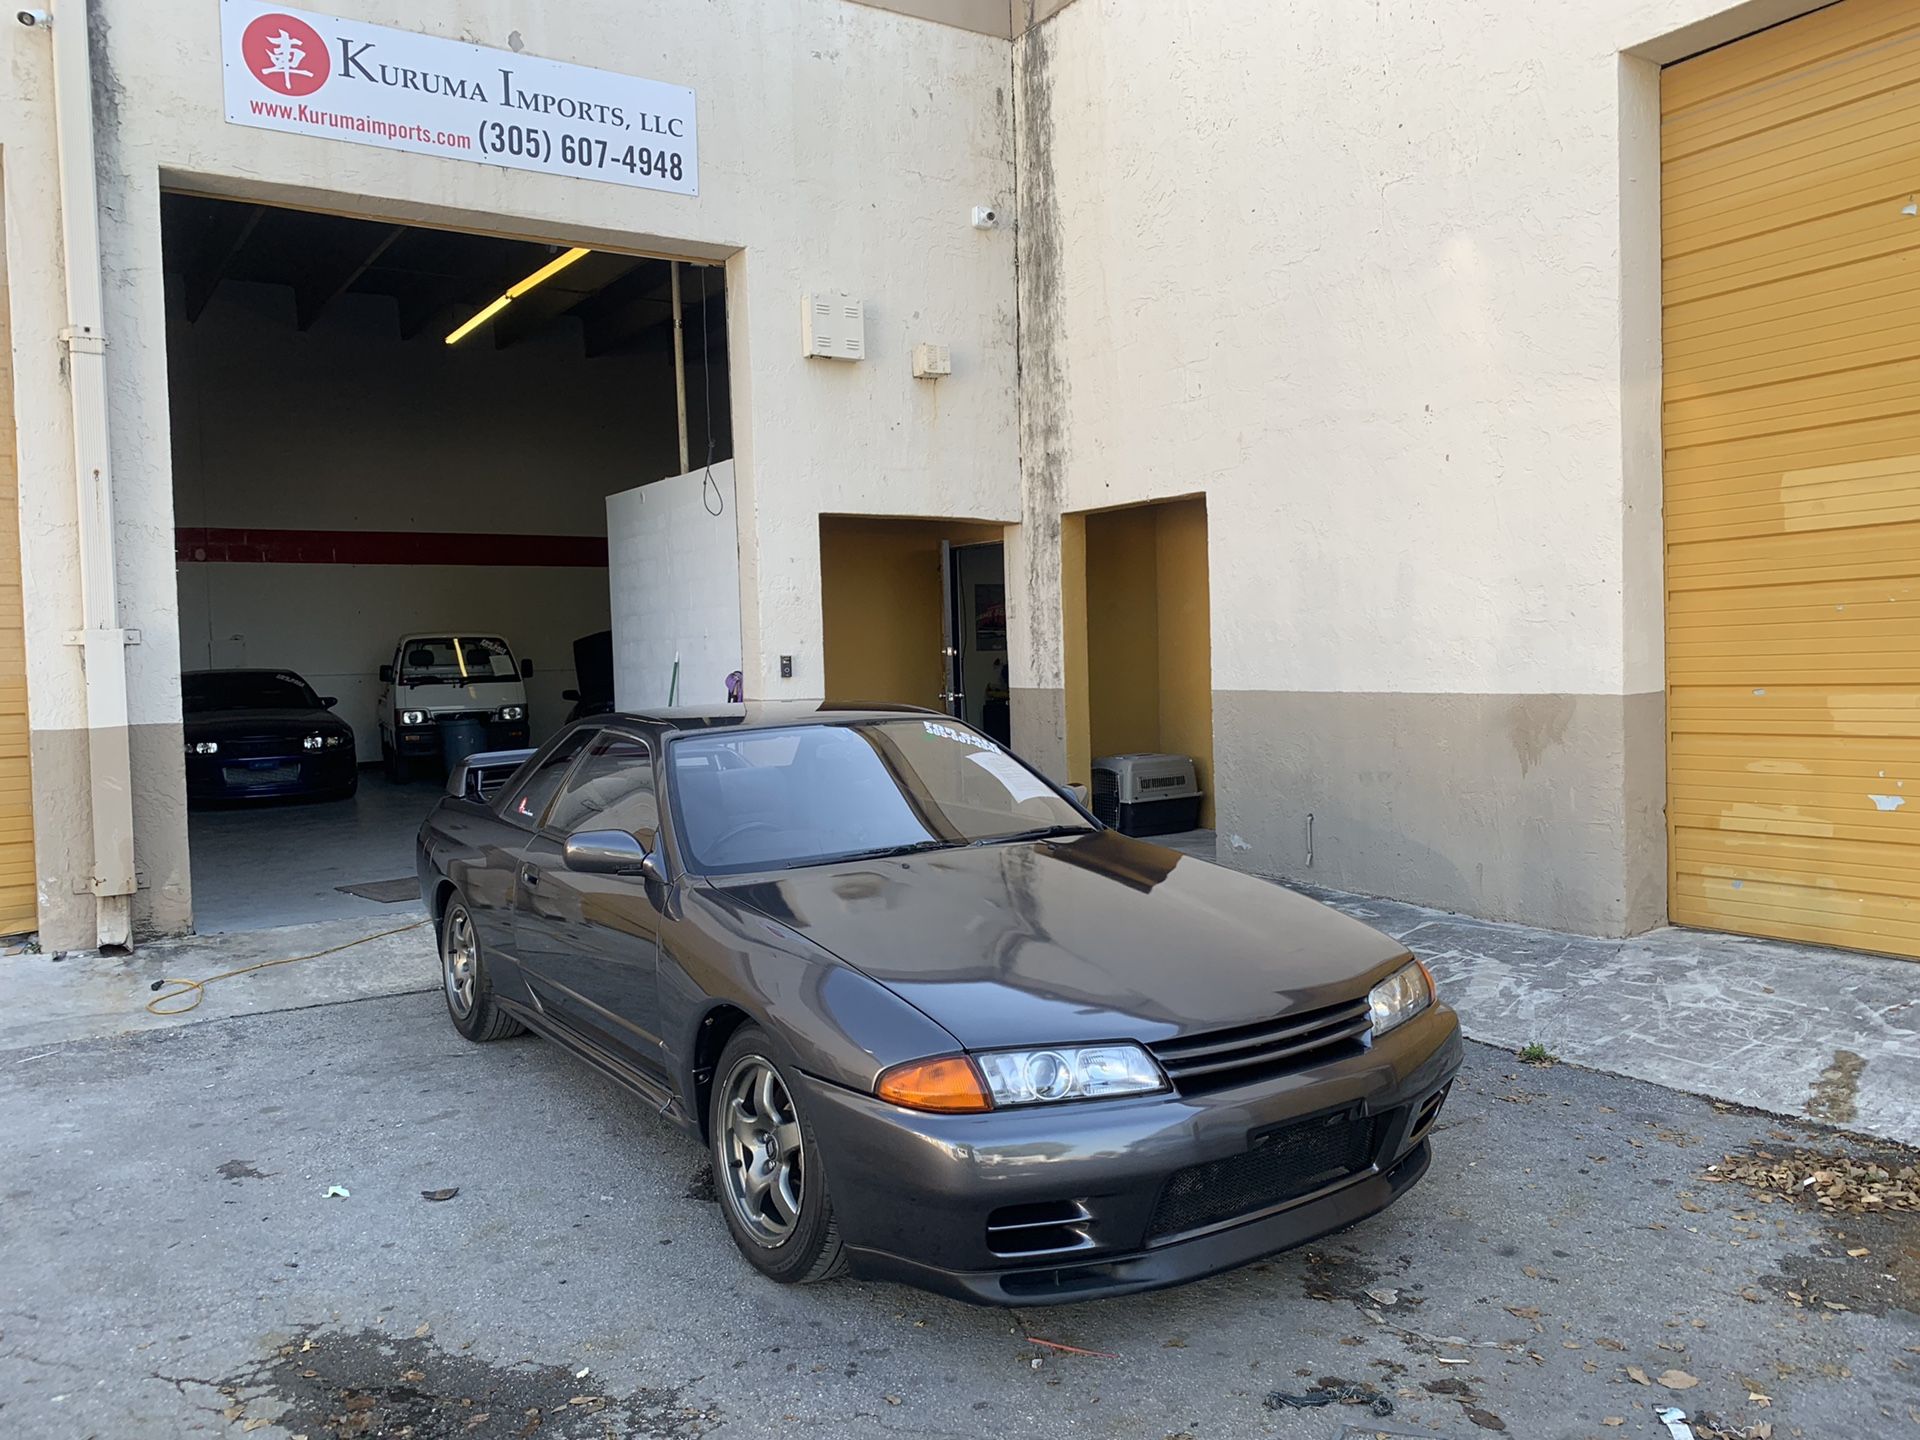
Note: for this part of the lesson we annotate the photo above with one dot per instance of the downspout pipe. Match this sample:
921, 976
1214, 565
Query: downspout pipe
101, 639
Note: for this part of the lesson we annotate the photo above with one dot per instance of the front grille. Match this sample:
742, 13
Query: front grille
246, 776
1199, 1063
1048, 1227
259, 747
1280, 1166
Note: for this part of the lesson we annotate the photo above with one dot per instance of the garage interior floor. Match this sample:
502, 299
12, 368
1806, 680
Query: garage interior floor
279, 862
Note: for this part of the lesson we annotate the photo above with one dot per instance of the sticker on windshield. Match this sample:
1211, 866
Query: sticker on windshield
1021, 782
948, 732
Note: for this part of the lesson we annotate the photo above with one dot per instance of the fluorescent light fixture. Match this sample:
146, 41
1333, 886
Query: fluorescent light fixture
500, 302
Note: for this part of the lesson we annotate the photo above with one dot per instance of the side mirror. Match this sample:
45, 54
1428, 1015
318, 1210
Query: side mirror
327, 702
569, 694
526, 669
386, 674
610, 852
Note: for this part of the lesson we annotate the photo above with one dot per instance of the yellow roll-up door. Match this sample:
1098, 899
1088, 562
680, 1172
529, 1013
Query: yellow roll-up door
17, 889
1791, 286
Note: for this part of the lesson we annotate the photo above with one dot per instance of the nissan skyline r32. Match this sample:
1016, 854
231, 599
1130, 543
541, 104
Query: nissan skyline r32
934, 1021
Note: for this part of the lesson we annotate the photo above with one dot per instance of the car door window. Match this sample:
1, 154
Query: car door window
529, 803
610, 789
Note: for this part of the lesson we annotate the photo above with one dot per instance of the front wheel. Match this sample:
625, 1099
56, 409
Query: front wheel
465, 979
767, 1168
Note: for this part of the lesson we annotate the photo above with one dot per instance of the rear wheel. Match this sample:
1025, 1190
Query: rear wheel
767, 1168
465, 980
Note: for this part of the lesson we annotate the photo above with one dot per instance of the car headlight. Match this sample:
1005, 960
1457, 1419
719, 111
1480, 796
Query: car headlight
1400, 997
512, 712
314, 742
413, 717
1001, 1079
203, 747
334, 742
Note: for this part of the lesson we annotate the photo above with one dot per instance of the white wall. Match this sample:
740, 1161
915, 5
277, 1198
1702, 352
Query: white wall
675, 559
345, 427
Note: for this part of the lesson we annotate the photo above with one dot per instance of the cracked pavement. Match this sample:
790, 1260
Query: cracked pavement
175, 1266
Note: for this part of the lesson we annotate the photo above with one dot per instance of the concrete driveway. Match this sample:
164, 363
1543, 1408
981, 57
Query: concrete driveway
174, 1265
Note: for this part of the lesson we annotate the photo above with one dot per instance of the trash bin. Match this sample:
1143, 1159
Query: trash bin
461, 737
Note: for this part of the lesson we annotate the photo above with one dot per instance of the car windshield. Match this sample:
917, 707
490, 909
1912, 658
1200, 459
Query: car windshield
245, 690
812, 794
455, 660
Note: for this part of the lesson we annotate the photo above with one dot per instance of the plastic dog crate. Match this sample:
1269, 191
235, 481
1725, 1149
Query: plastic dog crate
1146, 794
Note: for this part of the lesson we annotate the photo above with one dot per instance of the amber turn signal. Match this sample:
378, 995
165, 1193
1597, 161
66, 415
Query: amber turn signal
950, 1086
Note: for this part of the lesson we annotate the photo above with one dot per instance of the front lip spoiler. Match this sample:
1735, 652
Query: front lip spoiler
1207, 1253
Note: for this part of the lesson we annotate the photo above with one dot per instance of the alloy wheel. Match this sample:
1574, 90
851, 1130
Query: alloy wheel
459, 963
761, 1150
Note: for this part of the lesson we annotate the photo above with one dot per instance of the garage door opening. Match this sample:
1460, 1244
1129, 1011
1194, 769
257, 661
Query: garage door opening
914, 612
1139, 638
393, 448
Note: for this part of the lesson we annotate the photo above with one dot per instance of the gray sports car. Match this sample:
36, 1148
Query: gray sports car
934, 1021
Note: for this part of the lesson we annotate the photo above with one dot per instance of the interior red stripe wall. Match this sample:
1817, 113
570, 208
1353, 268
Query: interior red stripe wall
385, 547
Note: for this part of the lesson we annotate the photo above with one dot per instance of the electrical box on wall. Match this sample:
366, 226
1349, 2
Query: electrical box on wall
833, 327
932, 361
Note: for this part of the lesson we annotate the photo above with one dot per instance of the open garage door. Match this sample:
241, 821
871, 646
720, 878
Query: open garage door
393, 449
1792, 431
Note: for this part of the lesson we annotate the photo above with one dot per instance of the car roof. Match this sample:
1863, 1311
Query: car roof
759, 715
276, 670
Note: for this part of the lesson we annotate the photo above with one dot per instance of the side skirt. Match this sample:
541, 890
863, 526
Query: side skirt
665, 1103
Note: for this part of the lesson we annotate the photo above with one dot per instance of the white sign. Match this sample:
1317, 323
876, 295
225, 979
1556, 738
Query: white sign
345, 80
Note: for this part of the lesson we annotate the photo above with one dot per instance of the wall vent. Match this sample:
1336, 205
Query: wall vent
833, 327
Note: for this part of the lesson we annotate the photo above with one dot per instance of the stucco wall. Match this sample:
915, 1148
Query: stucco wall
841, 148
1381, 280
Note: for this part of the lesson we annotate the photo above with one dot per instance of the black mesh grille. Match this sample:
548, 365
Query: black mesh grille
1278, 1167
1198, 1063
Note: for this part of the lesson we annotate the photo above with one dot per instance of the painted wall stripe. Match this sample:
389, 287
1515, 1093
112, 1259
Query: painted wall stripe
384, 547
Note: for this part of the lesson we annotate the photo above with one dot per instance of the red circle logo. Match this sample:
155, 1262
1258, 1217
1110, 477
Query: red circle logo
285, 55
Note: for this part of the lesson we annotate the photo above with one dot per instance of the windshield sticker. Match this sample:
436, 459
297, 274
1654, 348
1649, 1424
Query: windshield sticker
948, 732
1021, 782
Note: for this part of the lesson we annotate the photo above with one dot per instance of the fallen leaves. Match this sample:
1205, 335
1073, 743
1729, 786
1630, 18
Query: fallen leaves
1834, 1182
1678, 1380
438, 1195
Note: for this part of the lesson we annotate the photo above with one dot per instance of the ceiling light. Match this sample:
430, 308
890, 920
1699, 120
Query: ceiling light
500, 302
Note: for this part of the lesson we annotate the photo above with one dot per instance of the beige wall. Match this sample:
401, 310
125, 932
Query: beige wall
1395, 310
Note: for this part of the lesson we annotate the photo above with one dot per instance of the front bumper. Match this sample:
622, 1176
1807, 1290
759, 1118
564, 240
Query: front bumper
268, 777
914, 1193
424, 741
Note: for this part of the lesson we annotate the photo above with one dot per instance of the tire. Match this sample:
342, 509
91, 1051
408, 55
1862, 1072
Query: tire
756, 1194
468, 988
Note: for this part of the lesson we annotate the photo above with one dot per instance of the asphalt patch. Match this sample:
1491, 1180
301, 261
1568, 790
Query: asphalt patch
367, 1385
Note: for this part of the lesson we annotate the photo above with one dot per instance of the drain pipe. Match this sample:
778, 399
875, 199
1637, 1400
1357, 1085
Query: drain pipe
103, 643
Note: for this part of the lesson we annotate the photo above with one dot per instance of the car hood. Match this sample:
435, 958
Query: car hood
236, 724
1095, 938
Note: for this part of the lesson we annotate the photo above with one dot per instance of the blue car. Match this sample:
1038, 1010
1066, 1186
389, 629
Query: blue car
261, 734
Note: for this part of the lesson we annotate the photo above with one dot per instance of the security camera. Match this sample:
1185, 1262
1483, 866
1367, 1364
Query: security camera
985, 217
30, 18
